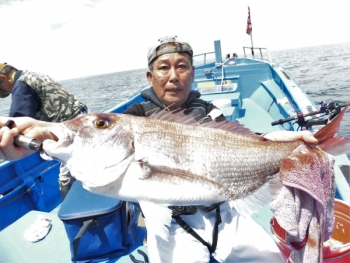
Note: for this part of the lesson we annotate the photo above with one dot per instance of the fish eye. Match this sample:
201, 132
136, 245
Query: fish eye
101, 124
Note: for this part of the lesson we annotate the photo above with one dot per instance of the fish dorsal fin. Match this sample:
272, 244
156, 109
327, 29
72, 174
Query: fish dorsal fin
180, 116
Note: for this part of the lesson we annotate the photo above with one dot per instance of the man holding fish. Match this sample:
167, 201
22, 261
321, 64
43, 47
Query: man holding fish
171, 73
215, 230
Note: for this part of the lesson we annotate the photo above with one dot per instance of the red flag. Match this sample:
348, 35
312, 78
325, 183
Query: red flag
249, 23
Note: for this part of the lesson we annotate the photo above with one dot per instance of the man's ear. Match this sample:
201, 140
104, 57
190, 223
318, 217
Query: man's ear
193, 72
149, 76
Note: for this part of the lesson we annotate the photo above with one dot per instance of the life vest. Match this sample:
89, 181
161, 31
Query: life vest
57, 104
192, 105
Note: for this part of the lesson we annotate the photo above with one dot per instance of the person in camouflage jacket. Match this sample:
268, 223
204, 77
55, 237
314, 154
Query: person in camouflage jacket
38, 96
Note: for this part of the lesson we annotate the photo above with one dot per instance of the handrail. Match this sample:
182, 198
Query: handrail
261, 54
260, 49
204, 55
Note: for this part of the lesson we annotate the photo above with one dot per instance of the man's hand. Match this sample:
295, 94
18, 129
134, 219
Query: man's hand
305, 136
30, 127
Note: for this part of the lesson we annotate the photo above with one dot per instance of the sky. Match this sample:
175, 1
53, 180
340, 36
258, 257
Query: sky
76, 38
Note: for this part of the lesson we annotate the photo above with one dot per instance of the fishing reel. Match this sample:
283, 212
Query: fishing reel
329, 108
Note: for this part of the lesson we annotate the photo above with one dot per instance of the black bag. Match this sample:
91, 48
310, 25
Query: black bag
97, 227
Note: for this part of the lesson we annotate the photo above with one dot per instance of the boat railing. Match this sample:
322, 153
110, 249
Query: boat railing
261, 50
216, 89
203, 58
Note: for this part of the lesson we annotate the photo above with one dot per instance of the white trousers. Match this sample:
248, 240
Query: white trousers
239, 240
65, 180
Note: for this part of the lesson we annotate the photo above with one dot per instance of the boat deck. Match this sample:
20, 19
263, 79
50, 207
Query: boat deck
255, 113
53, 248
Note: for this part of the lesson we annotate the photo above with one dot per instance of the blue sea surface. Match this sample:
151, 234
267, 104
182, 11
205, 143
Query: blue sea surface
102, 92
323, 72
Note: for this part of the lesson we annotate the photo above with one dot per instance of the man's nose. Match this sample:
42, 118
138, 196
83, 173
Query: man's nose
173, 75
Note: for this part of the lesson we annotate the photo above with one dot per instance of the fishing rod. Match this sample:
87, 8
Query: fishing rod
24, 141
327, 107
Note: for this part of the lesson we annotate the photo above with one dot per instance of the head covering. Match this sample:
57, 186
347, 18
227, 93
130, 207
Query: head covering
183, 46
3, 93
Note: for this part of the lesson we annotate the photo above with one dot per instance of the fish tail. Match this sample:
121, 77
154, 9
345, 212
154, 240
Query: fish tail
330, 144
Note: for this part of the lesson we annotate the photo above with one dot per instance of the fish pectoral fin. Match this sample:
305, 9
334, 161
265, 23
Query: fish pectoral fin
256, 201
178, 176
145, 170
157, 218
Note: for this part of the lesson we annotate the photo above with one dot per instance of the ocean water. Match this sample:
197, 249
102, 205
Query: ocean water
323, 72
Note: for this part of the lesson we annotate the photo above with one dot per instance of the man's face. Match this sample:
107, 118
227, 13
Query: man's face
171, 78
5, 83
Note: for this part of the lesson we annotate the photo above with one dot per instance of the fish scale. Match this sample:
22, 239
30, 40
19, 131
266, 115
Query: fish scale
155, 159
202, 151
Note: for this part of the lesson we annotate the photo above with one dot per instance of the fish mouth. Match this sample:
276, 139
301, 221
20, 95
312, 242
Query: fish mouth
57, 147
54, 137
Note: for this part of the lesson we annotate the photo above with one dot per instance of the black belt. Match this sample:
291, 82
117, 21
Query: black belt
189, 230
